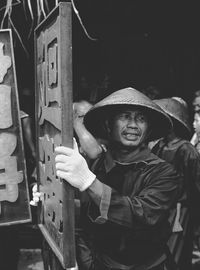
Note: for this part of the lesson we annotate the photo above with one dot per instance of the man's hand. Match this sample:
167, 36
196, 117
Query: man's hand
71, 166
79, 110
37, 196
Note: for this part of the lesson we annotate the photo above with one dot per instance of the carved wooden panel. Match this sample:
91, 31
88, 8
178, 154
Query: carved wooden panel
53, 68
14, 196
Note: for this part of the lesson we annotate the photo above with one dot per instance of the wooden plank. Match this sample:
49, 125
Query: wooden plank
14, 194
53, 68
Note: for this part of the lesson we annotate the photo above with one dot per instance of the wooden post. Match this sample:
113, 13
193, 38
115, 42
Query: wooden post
53, 69
14, 194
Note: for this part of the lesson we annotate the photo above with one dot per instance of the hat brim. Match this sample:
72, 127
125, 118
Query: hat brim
183, 129
178, 113
95, 119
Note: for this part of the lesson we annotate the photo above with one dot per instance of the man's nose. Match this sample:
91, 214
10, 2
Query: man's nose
132, 122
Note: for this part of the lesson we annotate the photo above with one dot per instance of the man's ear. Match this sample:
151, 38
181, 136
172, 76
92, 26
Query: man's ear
149, 135
149, 131
107, 127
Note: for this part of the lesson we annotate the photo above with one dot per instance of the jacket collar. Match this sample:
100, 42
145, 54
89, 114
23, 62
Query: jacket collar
143, 157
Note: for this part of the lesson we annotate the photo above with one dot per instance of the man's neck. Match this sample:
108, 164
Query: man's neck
123, 154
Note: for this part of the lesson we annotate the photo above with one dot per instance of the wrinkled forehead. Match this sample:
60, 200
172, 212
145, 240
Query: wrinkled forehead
132, 110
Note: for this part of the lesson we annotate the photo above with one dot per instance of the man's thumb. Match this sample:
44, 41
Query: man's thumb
75, 145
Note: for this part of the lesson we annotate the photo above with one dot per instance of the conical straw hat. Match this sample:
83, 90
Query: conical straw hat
178, 111
94, 119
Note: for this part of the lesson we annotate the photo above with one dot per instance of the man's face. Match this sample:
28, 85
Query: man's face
130, 128
196, 123
196, 104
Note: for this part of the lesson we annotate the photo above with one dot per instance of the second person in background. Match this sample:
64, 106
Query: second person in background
176, 149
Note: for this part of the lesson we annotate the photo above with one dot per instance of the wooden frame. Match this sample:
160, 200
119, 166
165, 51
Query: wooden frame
14, 194
53, 69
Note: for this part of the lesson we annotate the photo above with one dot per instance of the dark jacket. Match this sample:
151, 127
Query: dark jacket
130, 225
185, 158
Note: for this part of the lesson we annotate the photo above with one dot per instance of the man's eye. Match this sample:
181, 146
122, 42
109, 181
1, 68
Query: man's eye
124, 115
141, 118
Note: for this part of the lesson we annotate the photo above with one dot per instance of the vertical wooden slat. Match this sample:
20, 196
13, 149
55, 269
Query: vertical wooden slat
66, 85
53, 68
14, 197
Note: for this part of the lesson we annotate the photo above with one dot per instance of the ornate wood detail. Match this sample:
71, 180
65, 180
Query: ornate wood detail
53, 69
14, 195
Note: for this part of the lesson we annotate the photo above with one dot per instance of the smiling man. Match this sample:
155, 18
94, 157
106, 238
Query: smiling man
128, 190
128, 128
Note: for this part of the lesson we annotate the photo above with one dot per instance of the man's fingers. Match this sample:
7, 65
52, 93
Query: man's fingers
64, 150
61, 158
75, 145
33, 203
37, 194
36, 199
62, 166
62, 174
35, 188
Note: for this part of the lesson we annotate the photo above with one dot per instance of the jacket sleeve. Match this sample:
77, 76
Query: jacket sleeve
188, 159
161, 188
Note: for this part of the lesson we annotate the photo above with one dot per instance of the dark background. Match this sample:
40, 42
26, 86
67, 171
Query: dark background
139, 43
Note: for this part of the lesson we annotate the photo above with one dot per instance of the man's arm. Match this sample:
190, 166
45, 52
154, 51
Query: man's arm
89, 145
88, 142
150, 206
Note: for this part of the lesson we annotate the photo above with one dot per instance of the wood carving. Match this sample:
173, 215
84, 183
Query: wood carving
10, 177
5, 63
53, 67
8, 143
5, 106
53, 95
52, 115
14, 194
51, 188
49, 107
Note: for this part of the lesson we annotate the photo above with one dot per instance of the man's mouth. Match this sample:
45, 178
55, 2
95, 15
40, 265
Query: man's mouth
131, 135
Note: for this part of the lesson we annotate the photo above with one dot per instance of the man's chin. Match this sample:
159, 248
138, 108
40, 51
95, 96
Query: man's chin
130, 144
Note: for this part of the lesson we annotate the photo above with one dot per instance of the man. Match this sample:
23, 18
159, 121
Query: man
196, 137
176, 149
89, 146
129, 190
196, 102
196, 108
